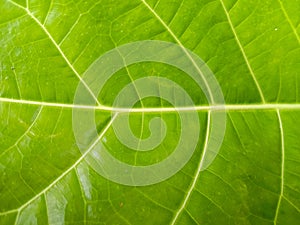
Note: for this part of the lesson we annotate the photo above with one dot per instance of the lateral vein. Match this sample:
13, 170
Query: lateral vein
243, 52
57, 47
195, 179
289, 21
67, 171
282, 167
182, 47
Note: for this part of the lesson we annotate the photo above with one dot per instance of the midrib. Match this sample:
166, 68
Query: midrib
226, 107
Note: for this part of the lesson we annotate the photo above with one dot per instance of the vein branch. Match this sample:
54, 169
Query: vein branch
282, 168
243, 52
289, 20
182, 47
57, 47
196, 177
66, 172
292, 204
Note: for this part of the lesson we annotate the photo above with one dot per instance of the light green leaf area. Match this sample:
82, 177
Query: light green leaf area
251, 46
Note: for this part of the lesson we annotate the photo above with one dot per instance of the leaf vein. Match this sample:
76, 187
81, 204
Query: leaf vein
66, 171
196, 177
243, 52
282, 168
289, 20
57, 47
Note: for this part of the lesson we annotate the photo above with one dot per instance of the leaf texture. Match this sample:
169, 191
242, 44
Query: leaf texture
252, 47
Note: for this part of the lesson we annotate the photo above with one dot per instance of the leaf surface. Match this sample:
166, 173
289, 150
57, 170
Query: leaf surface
252, 47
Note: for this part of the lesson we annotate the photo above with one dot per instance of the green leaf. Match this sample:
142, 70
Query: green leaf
252, 48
